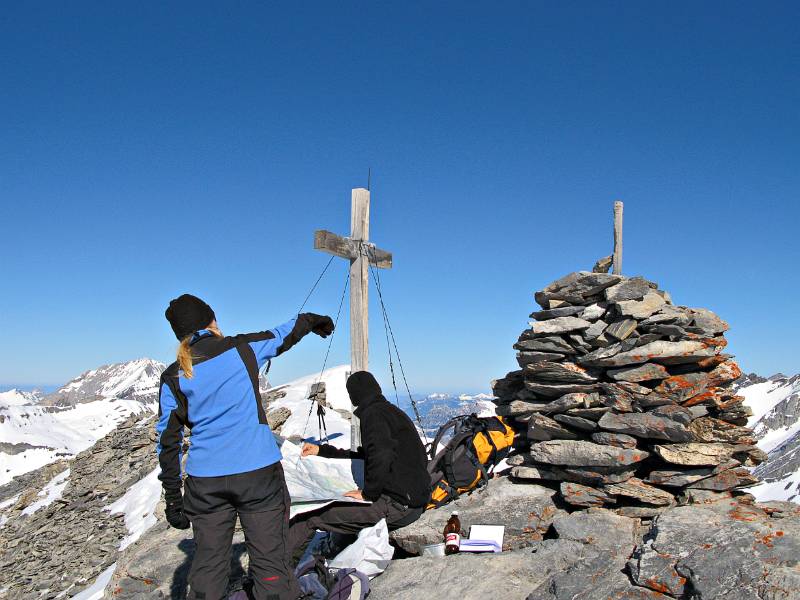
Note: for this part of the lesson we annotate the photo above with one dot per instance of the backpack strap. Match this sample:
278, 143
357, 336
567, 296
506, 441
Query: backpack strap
451, 424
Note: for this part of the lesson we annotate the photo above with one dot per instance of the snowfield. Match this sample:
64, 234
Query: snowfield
45, 434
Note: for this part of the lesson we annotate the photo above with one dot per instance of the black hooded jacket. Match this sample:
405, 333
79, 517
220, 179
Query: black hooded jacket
395, 463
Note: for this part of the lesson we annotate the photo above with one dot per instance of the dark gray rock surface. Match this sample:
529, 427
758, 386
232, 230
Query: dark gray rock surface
526, 510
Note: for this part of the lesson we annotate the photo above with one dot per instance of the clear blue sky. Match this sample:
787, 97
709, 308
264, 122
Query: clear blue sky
152, 149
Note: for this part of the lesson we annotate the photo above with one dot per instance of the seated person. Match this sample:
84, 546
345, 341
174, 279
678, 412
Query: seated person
396, 479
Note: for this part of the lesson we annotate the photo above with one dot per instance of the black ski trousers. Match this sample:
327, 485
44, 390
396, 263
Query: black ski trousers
348, 518
261, 501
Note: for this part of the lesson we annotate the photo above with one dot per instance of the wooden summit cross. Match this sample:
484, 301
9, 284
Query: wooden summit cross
360, 253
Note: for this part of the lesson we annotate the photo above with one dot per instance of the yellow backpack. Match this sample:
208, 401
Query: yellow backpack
467, 459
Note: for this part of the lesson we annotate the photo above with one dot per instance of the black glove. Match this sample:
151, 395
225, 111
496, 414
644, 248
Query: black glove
174, 510
323, 325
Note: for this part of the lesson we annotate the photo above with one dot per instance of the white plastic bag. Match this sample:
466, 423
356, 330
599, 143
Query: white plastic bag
371, 553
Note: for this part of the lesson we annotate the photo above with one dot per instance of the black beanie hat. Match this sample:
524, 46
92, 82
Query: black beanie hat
187, 314
362, 385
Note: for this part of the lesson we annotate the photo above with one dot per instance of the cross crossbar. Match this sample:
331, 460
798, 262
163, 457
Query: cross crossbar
346, 247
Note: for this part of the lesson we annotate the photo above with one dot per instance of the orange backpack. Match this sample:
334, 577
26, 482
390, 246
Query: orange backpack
467, 459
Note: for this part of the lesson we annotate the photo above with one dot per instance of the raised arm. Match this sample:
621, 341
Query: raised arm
274, 342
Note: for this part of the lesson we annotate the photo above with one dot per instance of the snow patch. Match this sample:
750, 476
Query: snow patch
51, 492
95, 591
787, 488
138, 505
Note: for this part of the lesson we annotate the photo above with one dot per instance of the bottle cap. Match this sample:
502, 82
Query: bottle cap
454, 513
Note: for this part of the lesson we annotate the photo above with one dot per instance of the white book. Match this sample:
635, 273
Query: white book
484, 538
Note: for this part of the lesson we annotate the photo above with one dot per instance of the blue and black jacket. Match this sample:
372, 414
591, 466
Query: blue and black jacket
221, 404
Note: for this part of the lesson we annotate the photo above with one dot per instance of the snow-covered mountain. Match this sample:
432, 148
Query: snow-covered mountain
36, 431
133, 380
775, 402
436, 409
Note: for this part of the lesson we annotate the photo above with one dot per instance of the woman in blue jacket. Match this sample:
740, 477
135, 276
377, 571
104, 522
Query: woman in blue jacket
233, 465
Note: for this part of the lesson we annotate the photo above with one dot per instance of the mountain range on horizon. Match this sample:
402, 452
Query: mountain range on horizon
37, 429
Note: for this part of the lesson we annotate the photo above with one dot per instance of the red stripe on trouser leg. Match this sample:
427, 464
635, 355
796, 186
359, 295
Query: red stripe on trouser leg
273, 578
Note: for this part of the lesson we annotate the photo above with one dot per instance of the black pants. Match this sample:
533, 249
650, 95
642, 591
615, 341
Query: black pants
348, 518
261, 501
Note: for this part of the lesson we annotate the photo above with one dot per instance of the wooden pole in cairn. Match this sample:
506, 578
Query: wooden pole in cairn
617, 261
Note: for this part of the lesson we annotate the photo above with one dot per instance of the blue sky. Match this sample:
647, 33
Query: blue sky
148, 150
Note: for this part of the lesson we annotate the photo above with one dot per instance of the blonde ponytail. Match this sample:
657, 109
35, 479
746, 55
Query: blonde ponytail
184, 356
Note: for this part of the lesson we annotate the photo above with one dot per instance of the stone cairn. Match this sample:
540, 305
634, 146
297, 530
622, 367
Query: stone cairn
625, 400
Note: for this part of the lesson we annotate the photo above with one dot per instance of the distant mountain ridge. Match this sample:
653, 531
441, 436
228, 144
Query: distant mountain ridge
38, 429
775, 402
437, 408
133, 380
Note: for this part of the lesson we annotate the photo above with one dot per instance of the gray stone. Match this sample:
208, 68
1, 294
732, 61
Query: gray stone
720, 550
558, 373
586, 475
580, 453
575, 288
621, 330
701, 411
519, 407
583, 495
603, 265
527, 358
634, 288
593, 312
646, 338
545, 344
579, 343
729, 479
640, 309
707, 454
571, 401
596, 330
557, 390
640, 491
683, 387
614, 396
527, 512
660, 351
599, 527
465, 575
565, 311
675, 412
677, 315
641, 512
707, 321
619, 440
645, 372
680, 478
593, 414
576, 422
709, 429
541, 428
277, 417
645, 425
559, 325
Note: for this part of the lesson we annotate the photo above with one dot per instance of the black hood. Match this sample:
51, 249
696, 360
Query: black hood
363, 388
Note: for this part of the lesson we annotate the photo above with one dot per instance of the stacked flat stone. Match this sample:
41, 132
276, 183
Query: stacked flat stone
624, 399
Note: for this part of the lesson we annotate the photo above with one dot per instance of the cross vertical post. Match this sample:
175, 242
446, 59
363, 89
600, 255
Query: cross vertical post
617, 262
361, 254
359, 282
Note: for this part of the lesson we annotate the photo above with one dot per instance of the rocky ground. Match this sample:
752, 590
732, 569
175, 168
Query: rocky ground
719, 546
63, 546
